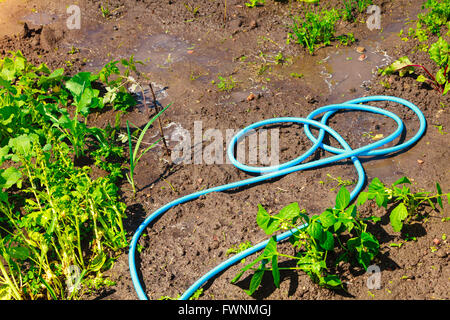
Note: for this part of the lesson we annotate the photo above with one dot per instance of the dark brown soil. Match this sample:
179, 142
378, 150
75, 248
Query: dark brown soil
184, 52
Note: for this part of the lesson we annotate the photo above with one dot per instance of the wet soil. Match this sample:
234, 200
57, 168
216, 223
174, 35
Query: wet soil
185, 46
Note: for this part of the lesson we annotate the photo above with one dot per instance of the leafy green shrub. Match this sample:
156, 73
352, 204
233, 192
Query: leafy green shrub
338, 231
54, 217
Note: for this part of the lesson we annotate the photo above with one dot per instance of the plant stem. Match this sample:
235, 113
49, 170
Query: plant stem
159, 120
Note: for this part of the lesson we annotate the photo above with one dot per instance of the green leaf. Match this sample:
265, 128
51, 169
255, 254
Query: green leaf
422, 78
362, 198
21, 253
255, 282
266, 222
402, 181
22, 144
78, 83
327, 242
397, 216
271, 248
439, 199
446, 89
332, 280
9, 177
342, 198
289, 212
98, 262
439, 52
376, 185
440, 76
403, 65
275, 271
327, 219
247, 267
315, 230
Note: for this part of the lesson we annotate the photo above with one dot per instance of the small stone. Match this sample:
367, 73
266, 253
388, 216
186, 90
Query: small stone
436, 241
360, 49
253, 24
251, 97
310, 99
420, 161
362, 57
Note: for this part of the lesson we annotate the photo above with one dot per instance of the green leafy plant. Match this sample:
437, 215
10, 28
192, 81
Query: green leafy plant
254, 3
437, 16
135, 156
405, 203
54, 217
225, 84
315, 29
439, 53
337, 232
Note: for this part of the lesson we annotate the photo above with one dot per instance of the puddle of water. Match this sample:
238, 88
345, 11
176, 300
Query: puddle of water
40, 18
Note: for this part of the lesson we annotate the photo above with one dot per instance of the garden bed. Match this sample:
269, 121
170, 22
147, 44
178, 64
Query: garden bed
190, 49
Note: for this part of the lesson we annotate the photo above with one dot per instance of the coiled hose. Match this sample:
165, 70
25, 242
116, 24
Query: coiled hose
267, 173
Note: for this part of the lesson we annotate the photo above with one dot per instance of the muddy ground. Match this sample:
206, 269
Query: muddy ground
186, 45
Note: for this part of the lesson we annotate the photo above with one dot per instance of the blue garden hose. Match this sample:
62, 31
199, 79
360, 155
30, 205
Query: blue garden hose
267, 173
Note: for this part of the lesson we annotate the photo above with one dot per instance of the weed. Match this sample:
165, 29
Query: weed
134, 156
225, 84
254, 3
316, 29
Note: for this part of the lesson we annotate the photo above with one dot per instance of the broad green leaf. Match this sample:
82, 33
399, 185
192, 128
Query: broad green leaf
403, 65
376, 185
21, 253
327, 219
342, 198
315, 230
327, 242
289, 212
332, 280
439, 52
362, 198
22, 144
397, 216
9, 177
266, 221
255, 282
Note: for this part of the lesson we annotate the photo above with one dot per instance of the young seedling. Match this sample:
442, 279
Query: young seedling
134, 156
